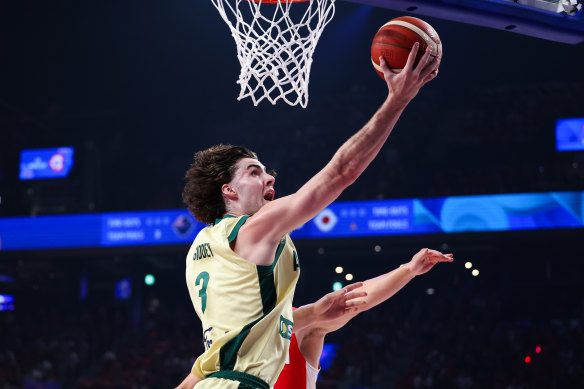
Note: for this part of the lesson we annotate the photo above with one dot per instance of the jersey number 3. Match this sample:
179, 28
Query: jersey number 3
203, 276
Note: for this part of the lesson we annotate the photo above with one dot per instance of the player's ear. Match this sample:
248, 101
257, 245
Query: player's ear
228, 191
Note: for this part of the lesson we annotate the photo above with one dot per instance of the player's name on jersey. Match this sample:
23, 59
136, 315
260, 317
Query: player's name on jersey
203, 251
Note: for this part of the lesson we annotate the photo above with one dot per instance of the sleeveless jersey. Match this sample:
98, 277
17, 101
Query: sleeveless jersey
245, 309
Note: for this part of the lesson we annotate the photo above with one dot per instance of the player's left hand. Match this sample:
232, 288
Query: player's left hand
425, 259
339, 303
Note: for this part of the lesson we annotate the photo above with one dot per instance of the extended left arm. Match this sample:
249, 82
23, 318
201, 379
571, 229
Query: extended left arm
310, 339
383, 287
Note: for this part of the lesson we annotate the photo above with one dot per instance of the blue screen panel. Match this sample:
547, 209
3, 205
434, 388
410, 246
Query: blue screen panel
570, 134
522, 211
46, 163
6, 302
98, 230
485, 213
124, 289
145, 228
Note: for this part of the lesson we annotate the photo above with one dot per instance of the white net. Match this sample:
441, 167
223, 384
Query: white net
275, 42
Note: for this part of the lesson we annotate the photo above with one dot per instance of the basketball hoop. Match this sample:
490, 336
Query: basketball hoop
275, 41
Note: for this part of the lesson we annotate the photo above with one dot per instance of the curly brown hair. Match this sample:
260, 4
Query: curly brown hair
209, 171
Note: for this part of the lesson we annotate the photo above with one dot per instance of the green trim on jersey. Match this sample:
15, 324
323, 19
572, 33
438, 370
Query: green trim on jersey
228, 352
263, 269
266, 278
247, 381
235, 230
267, 291
224, 217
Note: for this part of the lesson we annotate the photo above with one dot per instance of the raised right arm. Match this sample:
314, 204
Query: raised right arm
283, 215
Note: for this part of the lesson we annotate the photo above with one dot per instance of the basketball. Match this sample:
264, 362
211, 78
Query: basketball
395, 39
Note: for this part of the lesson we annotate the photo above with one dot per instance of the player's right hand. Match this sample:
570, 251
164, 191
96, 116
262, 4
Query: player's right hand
404, 86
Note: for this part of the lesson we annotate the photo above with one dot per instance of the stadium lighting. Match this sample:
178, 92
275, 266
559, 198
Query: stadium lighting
149, 279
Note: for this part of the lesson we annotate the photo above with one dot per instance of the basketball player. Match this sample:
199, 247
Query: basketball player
242, 269
348, 298
301, 369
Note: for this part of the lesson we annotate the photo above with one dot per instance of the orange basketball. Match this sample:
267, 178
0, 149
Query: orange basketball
395, 39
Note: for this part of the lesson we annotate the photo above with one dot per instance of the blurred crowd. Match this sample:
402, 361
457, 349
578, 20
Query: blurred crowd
51, 346
460, 344
453, 341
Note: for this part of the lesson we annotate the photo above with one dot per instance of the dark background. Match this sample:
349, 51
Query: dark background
138, 87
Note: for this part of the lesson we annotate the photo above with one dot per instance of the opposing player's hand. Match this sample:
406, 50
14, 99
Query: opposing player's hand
405, 85
425, 259
339, 303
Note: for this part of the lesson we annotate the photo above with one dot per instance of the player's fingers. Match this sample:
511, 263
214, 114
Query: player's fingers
412, 57
351, 287
354, 295
385, 69
444, 258
438, 254
429, 78
430, 69
422, 66
383, 63
355, 303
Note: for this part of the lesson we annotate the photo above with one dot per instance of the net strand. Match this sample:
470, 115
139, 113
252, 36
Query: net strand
274, 51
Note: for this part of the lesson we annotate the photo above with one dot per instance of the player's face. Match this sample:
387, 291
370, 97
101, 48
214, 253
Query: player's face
253, 185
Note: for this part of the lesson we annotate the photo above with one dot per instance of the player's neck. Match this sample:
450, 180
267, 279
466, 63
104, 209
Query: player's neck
234, 209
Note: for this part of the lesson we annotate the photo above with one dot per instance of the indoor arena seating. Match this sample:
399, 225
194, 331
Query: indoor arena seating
429, 341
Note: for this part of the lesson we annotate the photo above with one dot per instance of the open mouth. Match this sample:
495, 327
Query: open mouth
269, 196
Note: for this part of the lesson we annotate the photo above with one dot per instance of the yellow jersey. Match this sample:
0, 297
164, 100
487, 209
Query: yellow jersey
245, 309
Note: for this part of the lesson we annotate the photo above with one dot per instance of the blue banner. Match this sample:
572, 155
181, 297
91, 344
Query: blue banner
508, 212
570, 134
46, 163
